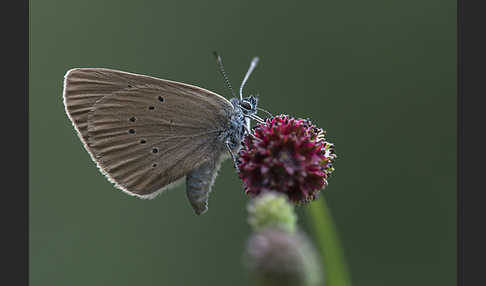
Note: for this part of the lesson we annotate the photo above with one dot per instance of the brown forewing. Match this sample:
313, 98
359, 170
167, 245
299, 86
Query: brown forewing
143, 132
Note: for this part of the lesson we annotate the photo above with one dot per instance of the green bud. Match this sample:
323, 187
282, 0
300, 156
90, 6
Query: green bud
272, 209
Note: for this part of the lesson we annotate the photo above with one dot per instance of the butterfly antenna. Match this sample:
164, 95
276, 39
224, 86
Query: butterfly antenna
253, 65
257, 118
261, 109
221, 69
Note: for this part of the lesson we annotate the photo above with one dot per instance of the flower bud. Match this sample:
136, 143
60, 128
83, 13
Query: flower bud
272, 209
278, 258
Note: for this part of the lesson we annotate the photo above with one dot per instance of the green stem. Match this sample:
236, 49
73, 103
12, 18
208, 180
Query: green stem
335, 268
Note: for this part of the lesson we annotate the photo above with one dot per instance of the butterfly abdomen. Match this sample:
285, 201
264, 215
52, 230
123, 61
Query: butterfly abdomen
198, 185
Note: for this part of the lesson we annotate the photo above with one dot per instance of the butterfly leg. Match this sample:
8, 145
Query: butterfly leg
252, 136
249, 131
232, 155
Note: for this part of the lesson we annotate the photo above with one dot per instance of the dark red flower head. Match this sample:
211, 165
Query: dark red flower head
286, 155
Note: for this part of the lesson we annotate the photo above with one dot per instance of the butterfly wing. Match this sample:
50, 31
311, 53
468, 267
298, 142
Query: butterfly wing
144, 133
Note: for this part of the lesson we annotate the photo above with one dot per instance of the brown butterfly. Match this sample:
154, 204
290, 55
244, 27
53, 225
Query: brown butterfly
146, 134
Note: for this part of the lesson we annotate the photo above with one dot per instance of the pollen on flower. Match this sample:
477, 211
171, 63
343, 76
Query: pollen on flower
288, 155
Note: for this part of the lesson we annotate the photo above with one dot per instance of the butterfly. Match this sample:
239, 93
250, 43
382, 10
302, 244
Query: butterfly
147, 134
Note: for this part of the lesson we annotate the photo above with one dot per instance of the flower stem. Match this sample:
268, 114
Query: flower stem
336, 270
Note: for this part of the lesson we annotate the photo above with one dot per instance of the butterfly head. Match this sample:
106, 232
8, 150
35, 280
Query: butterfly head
248, 105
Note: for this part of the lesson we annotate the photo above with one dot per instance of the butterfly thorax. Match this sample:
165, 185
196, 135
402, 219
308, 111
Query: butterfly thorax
239, 122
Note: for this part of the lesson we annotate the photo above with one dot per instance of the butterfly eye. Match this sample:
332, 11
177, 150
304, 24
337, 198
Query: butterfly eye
245, 105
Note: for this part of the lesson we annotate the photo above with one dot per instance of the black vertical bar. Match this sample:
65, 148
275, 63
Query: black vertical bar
460, 146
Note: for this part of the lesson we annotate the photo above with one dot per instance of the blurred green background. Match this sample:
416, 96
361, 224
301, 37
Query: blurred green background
379, 76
